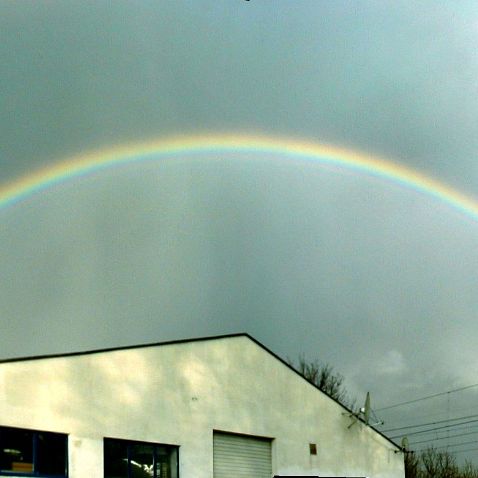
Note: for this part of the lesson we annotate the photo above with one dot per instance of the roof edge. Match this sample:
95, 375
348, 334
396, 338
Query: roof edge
125, 347
347, 410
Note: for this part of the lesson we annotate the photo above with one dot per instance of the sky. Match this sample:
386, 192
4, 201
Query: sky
375, 278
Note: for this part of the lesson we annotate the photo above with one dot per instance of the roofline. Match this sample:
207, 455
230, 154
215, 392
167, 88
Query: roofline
347, 410
191, 340
124, 347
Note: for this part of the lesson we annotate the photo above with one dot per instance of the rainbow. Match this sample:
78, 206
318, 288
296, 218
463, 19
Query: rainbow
90, 163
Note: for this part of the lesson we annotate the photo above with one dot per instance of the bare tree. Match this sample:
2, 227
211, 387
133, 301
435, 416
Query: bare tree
324, 377
469, 471
433, 463
412, 465
439, 464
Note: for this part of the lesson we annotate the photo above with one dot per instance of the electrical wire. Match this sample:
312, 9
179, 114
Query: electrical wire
429, 423
456, 427
432, 429
452, 445
426, 398
444, 438
463, 451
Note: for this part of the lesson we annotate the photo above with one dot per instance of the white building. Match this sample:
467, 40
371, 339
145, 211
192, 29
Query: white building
220, 407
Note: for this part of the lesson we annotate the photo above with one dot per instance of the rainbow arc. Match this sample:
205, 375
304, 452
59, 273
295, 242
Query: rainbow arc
177, 147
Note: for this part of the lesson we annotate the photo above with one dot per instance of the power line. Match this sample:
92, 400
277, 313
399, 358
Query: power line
444, 438
455, 426
429, 423
432, 429
453, 451
463, 451
426, 398
453, 445
438, 414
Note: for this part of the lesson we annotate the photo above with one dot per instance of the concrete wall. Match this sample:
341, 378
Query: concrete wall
178, 394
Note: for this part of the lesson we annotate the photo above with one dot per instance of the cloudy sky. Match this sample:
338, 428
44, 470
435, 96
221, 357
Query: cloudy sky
376, 279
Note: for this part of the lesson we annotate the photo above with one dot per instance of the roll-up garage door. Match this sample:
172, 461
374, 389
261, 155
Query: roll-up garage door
241, 456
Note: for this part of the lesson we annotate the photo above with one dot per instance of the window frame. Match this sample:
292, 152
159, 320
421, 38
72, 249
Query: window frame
131, 443
35, 447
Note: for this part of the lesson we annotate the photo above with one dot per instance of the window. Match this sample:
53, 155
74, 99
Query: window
129, 459
32, 453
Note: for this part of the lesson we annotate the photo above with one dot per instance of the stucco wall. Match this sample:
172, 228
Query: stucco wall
178, 394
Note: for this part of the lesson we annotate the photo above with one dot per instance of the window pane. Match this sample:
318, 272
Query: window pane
51, 453
16, 450
127, 459
116, 459
141, 459
166, 462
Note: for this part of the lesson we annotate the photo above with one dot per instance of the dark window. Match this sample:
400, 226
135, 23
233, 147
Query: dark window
32, 453
129, 459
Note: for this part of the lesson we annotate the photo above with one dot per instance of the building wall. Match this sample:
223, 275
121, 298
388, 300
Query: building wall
178, 394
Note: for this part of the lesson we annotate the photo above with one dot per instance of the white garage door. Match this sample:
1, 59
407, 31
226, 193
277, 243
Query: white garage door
241, 456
